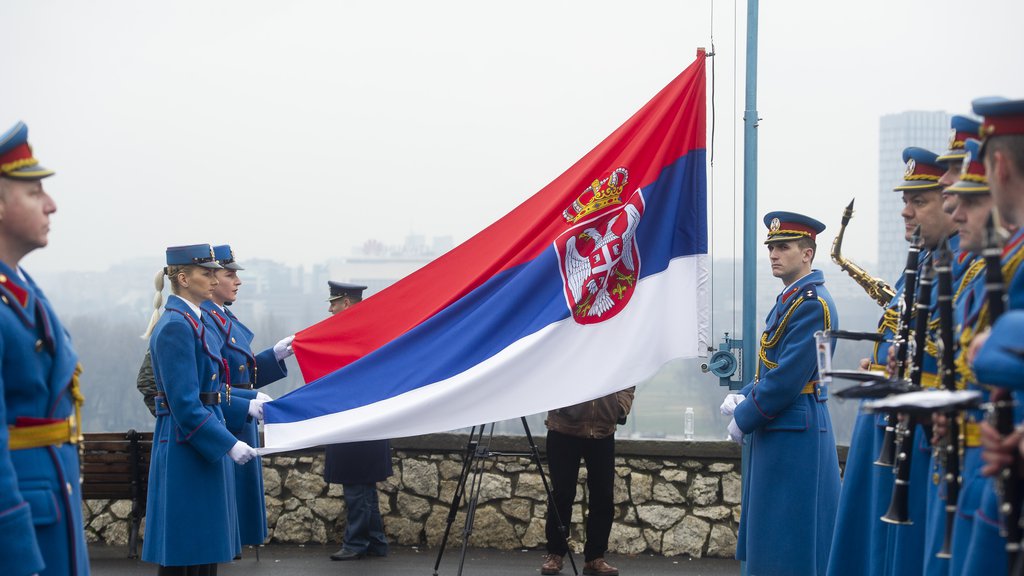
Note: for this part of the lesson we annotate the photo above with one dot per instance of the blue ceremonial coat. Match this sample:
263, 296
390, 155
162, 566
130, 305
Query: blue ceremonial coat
190, 512
986, 551
999, 363
244, 370
790, 499
859, 541
1012, 253
40, 496
907, 542
935, 514
972, 485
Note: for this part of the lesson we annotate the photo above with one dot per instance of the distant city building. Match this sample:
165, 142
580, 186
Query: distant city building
377, 266
929, 130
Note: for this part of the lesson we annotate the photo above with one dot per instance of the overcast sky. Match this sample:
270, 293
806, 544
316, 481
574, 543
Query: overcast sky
296, 130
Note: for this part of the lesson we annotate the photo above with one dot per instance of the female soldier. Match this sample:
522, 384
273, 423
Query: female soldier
191, 522
243, 372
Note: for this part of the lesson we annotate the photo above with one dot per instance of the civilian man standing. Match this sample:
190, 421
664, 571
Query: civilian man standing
587, 431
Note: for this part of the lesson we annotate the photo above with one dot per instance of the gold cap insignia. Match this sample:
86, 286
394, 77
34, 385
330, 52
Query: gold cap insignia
775, 225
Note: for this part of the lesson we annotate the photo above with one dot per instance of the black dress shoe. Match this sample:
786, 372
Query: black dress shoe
344, 554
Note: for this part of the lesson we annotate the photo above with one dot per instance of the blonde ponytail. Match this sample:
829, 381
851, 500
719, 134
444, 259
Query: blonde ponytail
158, 301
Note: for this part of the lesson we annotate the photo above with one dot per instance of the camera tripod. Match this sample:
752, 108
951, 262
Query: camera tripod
477, 452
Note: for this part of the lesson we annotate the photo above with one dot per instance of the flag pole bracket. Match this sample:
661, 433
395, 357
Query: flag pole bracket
724, 363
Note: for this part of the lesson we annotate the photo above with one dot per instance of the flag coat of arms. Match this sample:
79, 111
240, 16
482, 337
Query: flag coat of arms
586, 288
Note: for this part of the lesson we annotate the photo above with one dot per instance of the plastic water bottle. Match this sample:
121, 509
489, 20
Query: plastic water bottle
688, 423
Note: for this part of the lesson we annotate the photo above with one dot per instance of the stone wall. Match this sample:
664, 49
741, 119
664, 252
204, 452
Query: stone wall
671, 498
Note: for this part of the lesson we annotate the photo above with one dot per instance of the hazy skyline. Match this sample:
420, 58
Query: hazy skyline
297, 130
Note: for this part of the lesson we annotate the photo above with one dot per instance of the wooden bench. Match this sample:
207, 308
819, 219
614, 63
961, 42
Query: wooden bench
115, 466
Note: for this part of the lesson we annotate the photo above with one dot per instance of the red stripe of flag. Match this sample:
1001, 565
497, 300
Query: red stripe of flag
646, 143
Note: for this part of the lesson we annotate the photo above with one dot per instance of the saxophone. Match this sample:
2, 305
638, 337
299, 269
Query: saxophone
875, 287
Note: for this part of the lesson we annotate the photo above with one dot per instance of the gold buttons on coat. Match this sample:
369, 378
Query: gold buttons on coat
39, 345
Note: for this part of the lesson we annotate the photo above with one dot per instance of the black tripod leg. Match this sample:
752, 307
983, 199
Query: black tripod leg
562, 529
483, 452
460, 488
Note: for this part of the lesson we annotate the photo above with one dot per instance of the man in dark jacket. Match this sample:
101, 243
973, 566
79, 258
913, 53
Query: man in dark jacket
358, 466
586, 431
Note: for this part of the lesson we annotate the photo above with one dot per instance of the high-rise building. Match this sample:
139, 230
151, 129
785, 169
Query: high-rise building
929, 130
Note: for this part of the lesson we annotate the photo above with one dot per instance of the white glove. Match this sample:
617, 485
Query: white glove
264, 397
283, 349
730, 403
241, 453
735, 434
256, 406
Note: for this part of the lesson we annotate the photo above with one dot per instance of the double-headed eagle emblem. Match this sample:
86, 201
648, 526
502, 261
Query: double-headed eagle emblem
598, 255
609, 253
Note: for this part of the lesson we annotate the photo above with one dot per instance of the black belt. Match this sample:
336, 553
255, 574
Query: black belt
208, 398
243, 386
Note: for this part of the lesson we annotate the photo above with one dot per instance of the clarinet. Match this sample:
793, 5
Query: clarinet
899, 504
1008, 482
887, 453
943, 262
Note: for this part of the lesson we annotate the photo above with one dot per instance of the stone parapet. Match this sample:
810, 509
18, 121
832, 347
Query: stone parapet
671, 498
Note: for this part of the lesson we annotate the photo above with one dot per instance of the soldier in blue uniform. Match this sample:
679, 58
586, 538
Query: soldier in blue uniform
358, 466
191, 522
40, 403
243, 373
923, 206
970, 214
1003, 156
790, 499
961, 129
861, 541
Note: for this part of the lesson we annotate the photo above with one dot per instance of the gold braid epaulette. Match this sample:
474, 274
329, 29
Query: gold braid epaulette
967, 332
768, 343
1009, 271
962, 367
930, 347
77, 398
890, 321
972, 271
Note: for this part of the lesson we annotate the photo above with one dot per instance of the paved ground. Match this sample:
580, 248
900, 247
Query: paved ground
281, 560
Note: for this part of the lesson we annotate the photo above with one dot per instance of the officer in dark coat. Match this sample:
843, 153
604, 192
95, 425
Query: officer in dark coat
358, 466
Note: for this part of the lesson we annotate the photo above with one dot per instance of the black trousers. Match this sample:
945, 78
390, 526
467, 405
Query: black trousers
564, 455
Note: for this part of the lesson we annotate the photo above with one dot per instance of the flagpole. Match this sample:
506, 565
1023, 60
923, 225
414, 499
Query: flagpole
750, 119
749, 360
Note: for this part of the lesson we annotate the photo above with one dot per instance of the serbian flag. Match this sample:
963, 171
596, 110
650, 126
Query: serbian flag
586, 288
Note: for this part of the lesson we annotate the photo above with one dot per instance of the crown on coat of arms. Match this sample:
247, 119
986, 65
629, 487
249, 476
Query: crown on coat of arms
600, 194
